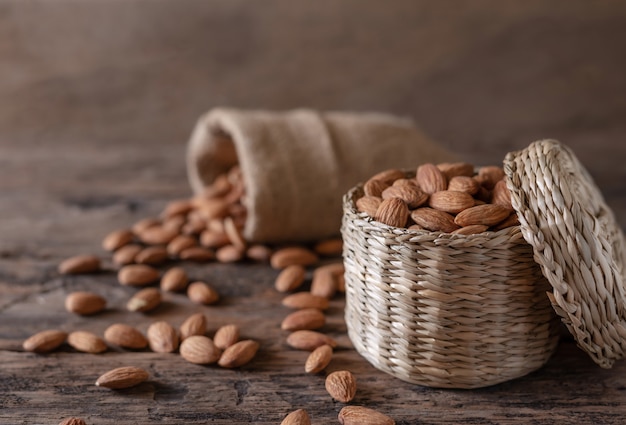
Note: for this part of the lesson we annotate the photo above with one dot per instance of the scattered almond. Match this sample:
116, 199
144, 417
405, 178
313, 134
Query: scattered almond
358, 415
122, 377
162, 337
305, 300
318, 359
259, 253
117, 239
126, 254
229, 254
324, 283
137, 275
80, 264
197, 254
290, 278
332, 247
87, 342
174, 280
389, 176
341, 385
297, 417
239, 353
226, 336
125, 336
202, 293
145, 223
179, 244
145, 300
85, 303
293, 255
308, 340
157, 235
193, 325
44, 341
152, 255
199, 349
308, 318
234, 234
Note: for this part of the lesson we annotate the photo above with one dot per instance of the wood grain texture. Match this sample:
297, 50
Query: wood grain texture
97, 100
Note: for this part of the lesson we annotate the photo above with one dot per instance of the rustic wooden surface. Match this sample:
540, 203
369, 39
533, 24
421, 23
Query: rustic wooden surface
97, 100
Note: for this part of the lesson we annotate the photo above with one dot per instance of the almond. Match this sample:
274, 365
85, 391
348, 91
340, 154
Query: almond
234, 234
305, 300
297, 417
226, 336
368, 205
194, 226
177, 207
152, 255
434, 220
393, 212
501, 195
174, 280
489, 175
157, 235
318, 359
290, 278
122, 377
145, 223
358, 415
137, 275
471, 230
511, 220
162, 337
212, 208
84, 303
341, 385
430, 178
332, 247
308, 340
389, 176
125, 336
411, 194
213, 239
126, 254
202, 293
117, 239
239, 354
180, 243
450, 201
336, 269
87, 342
174, 223
73, 421
197, 254
229, 254
44, 341
487, 214
293, 255
464, 184
259, 253
307, 318
454, 169
199, 349
193, 325
374, 187
324, 283
145, 300
80, 264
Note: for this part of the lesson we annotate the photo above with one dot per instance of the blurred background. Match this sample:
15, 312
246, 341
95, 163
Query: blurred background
481, 77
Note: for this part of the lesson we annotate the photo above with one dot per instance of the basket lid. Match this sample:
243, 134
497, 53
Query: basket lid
576, 241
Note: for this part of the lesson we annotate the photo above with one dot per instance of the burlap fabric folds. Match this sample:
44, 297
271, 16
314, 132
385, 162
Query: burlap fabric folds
297, 164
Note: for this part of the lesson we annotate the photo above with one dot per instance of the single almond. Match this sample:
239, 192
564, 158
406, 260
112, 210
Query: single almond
434, 220
174, 280
197, 254
297, 417
85, 303
125, 336
145, 300
389, 176
487, 214
194, 325
307, 318
80, 264
87, 342
145, 223
454, 169
177, 207
45, 341
450, 201
290, 278
511, 220
239, 354
471, 230
393, 212
341, 385
229, 254
430, 178
194, 225
335, 268
180, 243
375, 187
73, 421
117, 239
501, 195
122, 377
318, 359
308, 340
152, 255
410, 194
332, 247
226, 336
489, 175
301, 300
260, 253
368, 205
214, 239
199, 349
202, 293
359, 415
157, 235
126, 254
137, 275
162, 337
324, 283
464, 184
174, 223
287, 256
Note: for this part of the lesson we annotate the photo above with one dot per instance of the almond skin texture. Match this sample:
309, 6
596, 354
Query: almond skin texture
226, 336
80, 264
464, 184
125, 336
162, 337
375, 187
450, 201
368, 205
45, 341
290, 278
117, 239
202, 293
137, 275
73, 421
324, 283
145, 300
193, 325
199, 349
486, 214
453, 169
308, 318
297, 417
318, 359
305, 300
393, 212
309, 340
239, 354
86, 342
122, 377
410, 194
430, 178
434, 220
174, 280
293, 255
358, 415
341, 385
85, 303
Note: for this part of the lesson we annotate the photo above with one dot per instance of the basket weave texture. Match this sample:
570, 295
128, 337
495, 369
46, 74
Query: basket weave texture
444, 310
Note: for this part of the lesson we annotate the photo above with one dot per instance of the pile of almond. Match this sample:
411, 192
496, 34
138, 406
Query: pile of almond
454, 198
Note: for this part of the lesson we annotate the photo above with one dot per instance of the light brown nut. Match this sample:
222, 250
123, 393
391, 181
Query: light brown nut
144, 224
239, 354
375, 187
233, 232
336, 268
434, 220
212, 208
125, 336
368, 205
177, 207
301, 300
324, 283
157, 235
229, 254
487, 214
341, 385
202, 293
137, 275
162, 337
180, 243
44, 341
332, 247
389, 176
260, 253
194, 226
464, 184
287, 256
174, 279
194, 325
174, 223
430, 178
87, 342
393, 212
318, 359
117, 239
152, 255
511, 220
80, 264
411, 195
454, 169
450, 201
126, 254
85, 303
297, 417
73, 421
226, 336
489, 175
501, 195
308, 340
145, 300
197, 254
122, 377
199, 349
308, 318
213, 239
290, 278
358, 415
471, 230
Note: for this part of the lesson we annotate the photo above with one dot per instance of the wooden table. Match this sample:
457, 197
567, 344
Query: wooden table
82, 154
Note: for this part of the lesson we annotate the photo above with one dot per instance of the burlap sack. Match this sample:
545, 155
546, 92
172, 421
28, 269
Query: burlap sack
298, 164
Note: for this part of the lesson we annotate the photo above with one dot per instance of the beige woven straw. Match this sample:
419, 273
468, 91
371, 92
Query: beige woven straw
577, 242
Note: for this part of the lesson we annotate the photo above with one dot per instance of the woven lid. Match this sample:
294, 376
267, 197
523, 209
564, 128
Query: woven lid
576, 241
